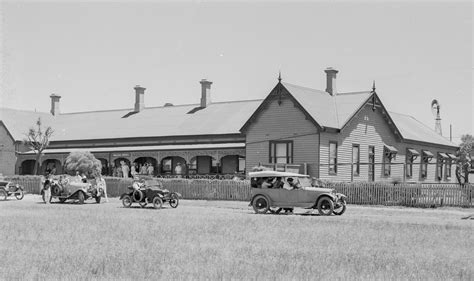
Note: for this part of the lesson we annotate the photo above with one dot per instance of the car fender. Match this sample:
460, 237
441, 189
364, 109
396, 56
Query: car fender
330, 196
261, 194
177, 194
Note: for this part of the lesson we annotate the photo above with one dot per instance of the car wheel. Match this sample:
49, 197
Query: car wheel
174, 200
19, 194
55, 190
341, 208
127, 201
97, 199
81, 197
260, 204
325, 206
157, 203
3, 195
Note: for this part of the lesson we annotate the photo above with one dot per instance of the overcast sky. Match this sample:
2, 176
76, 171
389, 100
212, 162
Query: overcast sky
94, 53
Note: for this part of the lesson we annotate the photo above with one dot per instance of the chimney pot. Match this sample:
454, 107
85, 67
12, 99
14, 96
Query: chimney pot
331, 74
55, 104
139, 98
205, 92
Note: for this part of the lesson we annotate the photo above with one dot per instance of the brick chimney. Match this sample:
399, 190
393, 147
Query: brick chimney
139, 98
331, 80
55, 104
205, 92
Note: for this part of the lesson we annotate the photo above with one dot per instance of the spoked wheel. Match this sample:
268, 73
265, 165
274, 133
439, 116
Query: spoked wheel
325, 206
127, 201
260, 204
3, 195
174, 200
340, 208
19, 194
157, 203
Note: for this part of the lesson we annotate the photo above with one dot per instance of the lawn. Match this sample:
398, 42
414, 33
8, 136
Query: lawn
226, 240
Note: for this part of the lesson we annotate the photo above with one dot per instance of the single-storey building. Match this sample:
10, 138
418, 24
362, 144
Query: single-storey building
327, 134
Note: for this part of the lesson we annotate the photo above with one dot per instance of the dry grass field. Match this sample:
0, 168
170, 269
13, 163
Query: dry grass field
226, 240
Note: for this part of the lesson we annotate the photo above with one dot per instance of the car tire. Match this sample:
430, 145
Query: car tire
3, 195
157, 202
127, 201
137, 195
174, 200
55, 190
19, 194
339, 211
325, 206
81, 197
260, 204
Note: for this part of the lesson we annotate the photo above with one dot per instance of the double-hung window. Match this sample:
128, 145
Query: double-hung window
389, 153
411, 155
425, 159
355, 159
281, 152
332, 158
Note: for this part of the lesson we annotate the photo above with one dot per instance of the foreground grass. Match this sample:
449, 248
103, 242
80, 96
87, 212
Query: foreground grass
225, 240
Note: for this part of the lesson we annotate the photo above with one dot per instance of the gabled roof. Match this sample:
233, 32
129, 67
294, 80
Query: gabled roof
335, 111
217, 119
329, 111
412, 129
18, 122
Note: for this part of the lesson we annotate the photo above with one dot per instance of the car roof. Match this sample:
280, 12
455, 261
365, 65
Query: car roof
274, 174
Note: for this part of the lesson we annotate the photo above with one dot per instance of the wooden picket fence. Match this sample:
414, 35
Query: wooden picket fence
413, 195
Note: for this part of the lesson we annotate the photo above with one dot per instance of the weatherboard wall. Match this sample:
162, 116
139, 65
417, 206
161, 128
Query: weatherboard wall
373, 128
284, 121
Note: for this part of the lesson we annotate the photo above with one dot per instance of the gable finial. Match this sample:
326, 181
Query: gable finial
373, 87
279, 76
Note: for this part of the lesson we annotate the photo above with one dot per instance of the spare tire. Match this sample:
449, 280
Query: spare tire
137, 195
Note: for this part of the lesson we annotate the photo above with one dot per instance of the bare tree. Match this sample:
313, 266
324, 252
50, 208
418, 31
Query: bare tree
37, 140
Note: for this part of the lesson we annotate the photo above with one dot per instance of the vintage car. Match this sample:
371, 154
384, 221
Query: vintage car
67, 188
8, 188
326, 200
150, 191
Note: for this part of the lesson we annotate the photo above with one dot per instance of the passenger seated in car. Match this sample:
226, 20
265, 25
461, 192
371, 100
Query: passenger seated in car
267, 183
137, 184
293, 184
278, 183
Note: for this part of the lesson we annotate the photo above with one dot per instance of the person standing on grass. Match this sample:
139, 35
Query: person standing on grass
101, 184
150, 169
125, 170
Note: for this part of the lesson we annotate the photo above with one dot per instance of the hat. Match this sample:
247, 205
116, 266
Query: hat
289, 179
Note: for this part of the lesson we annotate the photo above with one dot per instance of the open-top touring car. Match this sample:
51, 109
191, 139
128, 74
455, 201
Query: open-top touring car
149, 191
293, 190
65, 188
7, 188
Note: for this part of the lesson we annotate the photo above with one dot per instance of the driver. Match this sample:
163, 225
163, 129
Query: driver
137, 183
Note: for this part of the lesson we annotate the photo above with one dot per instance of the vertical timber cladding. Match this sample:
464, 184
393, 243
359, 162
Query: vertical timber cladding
371, 128
284, 121
7, 152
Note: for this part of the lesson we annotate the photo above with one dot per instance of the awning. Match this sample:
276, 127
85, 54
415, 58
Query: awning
143, 148
443, 155
452, 156
413, 152
391, 149
427, 153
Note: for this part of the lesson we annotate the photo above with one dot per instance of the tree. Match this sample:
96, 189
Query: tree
37, 140
463, 166
83, 162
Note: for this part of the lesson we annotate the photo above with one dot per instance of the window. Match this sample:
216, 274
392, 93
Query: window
449, 163
333, 158
355, 160
441, 158
411, 155
371, 163
389, 153
281, 152
425, 159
